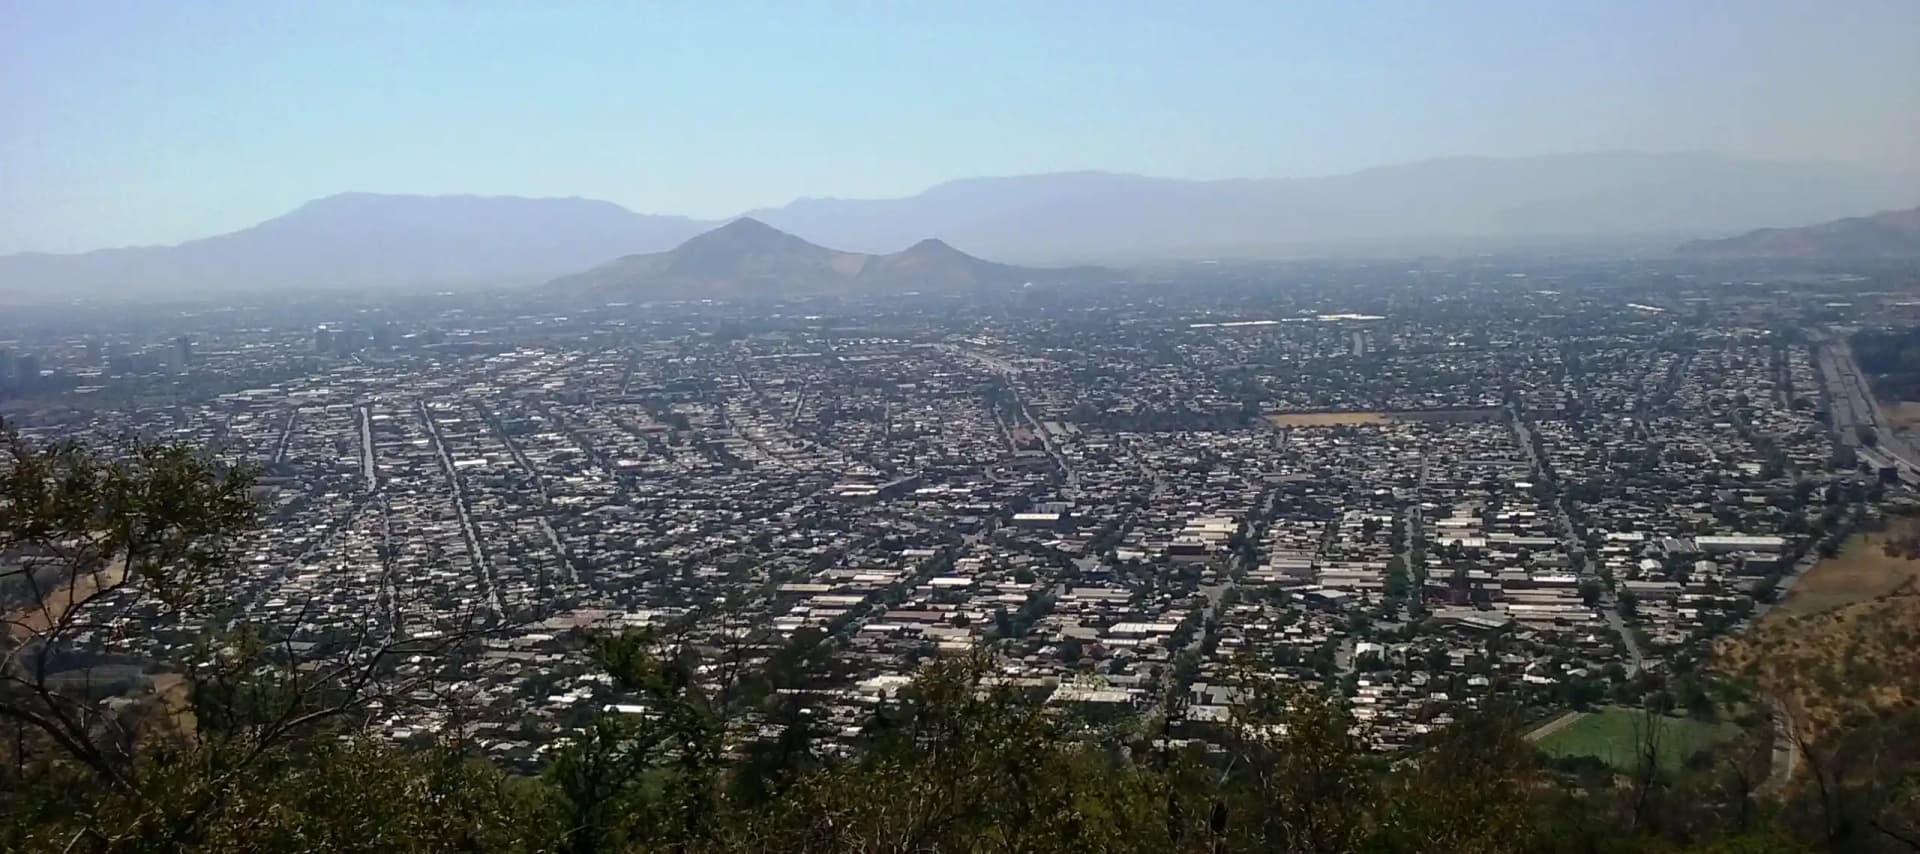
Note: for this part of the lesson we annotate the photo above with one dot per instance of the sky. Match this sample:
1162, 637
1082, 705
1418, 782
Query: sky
128, 123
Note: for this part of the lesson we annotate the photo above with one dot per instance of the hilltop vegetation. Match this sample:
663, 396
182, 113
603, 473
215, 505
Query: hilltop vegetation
1840, 658
1844, 648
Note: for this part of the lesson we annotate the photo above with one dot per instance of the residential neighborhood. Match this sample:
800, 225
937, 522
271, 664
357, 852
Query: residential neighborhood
1422, 500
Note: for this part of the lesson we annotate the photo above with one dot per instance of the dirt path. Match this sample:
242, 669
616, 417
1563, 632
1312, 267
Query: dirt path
1557, 724
1786, 749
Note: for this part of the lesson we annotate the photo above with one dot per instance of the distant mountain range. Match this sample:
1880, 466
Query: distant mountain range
1886, 235
1646, 201
365, 239
1446, 206
748, 258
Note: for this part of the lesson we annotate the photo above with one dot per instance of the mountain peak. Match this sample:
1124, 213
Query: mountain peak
932, 246
747, 225
745, 233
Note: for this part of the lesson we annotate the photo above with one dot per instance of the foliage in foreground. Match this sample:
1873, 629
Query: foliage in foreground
963, 765
271, 754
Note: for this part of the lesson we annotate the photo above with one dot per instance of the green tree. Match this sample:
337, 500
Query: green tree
206, 766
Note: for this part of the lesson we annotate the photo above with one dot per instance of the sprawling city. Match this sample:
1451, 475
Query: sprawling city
1422, 487
928, 428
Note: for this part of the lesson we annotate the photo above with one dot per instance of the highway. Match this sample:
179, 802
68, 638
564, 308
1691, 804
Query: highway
1853, 405
286, 436
366, 449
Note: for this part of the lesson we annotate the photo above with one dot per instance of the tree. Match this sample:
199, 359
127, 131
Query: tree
150, 525
1690, 695
153, 524
1398, 582
1844, 458
1069, 650
641, 779
1590, 591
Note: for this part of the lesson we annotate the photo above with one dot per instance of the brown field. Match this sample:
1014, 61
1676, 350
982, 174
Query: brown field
1340, 419
172, 693
1861, 571
24, 622
1904, 418
169, 691
1327, 419
1904, 415
1842, 643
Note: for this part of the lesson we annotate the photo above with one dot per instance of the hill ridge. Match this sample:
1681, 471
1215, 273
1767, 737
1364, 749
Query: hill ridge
1893, 234
746, 257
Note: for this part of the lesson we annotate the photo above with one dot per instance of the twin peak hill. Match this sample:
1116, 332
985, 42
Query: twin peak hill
748, 258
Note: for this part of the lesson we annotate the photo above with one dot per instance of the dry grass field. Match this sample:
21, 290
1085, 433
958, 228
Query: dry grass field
1870, 564
27, 620
1904, 418
1348, 419
1327, 419
1904, 415
171, 692
1846, 641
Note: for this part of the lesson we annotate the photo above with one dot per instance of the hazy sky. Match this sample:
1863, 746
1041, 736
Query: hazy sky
131, 122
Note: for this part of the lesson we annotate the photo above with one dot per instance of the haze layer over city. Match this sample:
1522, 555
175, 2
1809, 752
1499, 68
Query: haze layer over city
1403, 428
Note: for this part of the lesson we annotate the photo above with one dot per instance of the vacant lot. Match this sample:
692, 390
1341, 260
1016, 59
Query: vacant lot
1327, 419
1341, 419
1870, 565
1904, 415
1904, 418
1614, 735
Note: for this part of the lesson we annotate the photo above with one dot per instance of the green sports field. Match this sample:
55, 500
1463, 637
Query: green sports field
1612, 735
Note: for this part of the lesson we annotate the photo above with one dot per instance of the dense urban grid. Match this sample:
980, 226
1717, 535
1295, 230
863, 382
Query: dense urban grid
1421, 485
